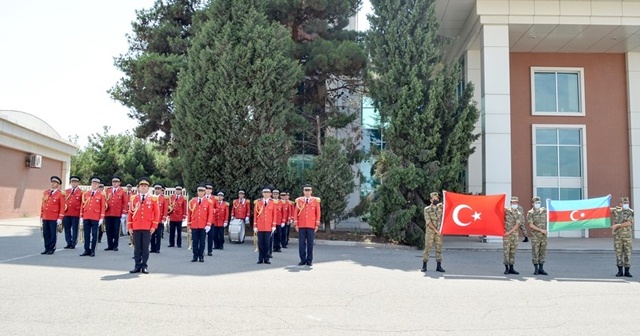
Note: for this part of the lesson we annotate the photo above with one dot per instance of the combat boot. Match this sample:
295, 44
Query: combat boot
535, 272
512, 271
506, 269
439, 267
526, 239
619, 274
626, 272
541, 270
424, 266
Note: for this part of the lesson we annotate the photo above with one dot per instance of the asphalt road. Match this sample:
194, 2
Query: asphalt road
348, 291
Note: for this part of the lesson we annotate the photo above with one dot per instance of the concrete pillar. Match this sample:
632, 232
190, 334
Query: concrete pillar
633, 94
473, 74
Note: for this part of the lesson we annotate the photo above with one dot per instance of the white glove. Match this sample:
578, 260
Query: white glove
282, 225
255, 230
273, 229
123, 218
207, 229
81, 221
246, 220
59, 221
100, 221
225, 224
233, 218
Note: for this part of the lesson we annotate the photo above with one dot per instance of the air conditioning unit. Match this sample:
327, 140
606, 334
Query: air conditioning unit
34, 161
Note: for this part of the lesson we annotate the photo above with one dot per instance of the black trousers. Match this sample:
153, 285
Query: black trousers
218, 236
264, 240
70, 225
112, 225
285, 235
91, 229
305, 241
49, 234
141, 239
156, 238
210, 240
197, 242
277, 238
175, 233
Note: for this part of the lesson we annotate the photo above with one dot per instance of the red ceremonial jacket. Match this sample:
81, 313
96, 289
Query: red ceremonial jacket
221, 216
73, 201
163, 206
92, 206
52, 207
200, 215
287, 211
116, 202
307, 215
264, 217
179, 212
241, 209
143, 215
278, 212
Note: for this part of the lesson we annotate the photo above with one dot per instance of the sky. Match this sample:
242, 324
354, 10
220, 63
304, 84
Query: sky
56, 61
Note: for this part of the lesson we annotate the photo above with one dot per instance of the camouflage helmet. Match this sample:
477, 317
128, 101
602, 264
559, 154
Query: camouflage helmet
535, 199
434, 194
514, 199
624, 199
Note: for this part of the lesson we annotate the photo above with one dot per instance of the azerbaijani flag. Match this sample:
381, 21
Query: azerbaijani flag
592, 213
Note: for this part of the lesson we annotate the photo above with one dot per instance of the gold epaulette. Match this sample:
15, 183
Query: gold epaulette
317, 199
255, 201
63, 193
227, 203
210, 201
154, 197
275, 201
300, 198
167, 197
131, 198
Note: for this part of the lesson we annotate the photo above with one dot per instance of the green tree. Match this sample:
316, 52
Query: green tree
157, 53
427, 125
332, 180
234, 100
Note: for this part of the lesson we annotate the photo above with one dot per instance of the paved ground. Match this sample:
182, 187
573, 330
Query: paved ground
350, 290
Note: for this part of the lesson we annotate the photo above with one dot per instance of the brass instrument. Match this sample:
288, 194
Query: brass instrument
103, 226
130, 239
255, 241
107, 195
189, 243
41, 230
81, 232
59, 228
166, 224
171, 206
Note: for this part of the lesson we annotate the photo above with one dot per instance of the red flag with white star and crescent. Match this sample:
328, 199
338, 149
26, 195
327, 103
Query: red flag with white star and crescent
472, 214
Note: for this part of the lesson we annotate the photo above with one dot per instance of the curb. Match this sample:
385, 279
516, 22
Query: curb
350, 244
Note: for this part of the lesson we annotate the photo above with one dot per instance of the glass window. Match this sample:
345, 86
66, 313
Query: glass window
557, 91
559, 194
547, 161
558, 152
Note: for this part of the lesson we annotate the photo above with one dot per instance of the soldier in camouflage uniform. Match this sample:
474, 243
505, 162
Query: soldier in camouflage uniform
433, 219
513, 219
537, 220
621, 229
522, 228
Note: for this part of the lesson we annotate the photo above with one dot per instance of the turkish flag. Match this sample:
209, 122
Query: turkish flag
472, 215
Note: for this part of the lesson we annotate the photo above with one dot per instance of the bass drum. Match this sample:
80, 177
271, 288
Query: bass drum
236, 231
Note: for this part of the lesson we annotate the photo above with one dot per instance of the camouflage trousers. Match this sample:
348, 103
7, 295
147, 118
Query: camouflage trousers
432, 238
622, 246
510, 246
538, 248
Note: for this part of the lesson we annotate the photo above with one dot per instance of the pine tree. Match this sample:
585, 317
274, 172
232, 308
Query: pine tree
426, 126
332, 180
234, 99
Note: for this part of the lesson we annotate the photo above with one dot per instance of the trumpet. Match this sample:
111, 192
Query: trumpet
41, 230
255, 242
103, 227
59, 228
166, 224
81, 232
130, 239
189, 242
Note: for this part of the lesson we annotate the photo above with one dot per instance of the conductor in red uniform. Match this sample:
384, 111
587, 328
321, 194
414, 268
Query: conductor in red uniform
199, 222
178, 208
71, 220
92, 215
116, 212
306, 220
264, 224
51, 213
142, 221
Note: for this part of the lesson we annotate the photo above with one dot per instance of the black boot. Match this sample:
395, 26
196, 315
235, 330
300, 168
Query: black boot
626, 272
506, 269
526, 239
512, 271
541, 270
619, 274
535, 272
439, 267
424, 266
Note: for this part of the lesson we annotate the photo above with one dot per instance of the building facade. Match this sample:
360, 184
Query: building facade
30, 153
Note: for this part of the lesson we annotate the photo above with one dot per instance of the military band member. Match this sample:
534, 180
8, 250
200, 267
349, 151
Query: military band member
241, 208
51, 214
622, 236
71, 220
117, 200
142, 222
123, 222
209, 196
537, 220
92, 216
433, 220
220, 220
102, 227
306, 219
275, 238
264, 224
177, 214
199, 221
156, 237
513, 219
287, 216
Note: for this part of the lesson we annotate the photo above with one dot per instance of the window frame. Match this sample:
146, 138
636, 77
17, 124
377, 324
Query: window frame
579, 71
